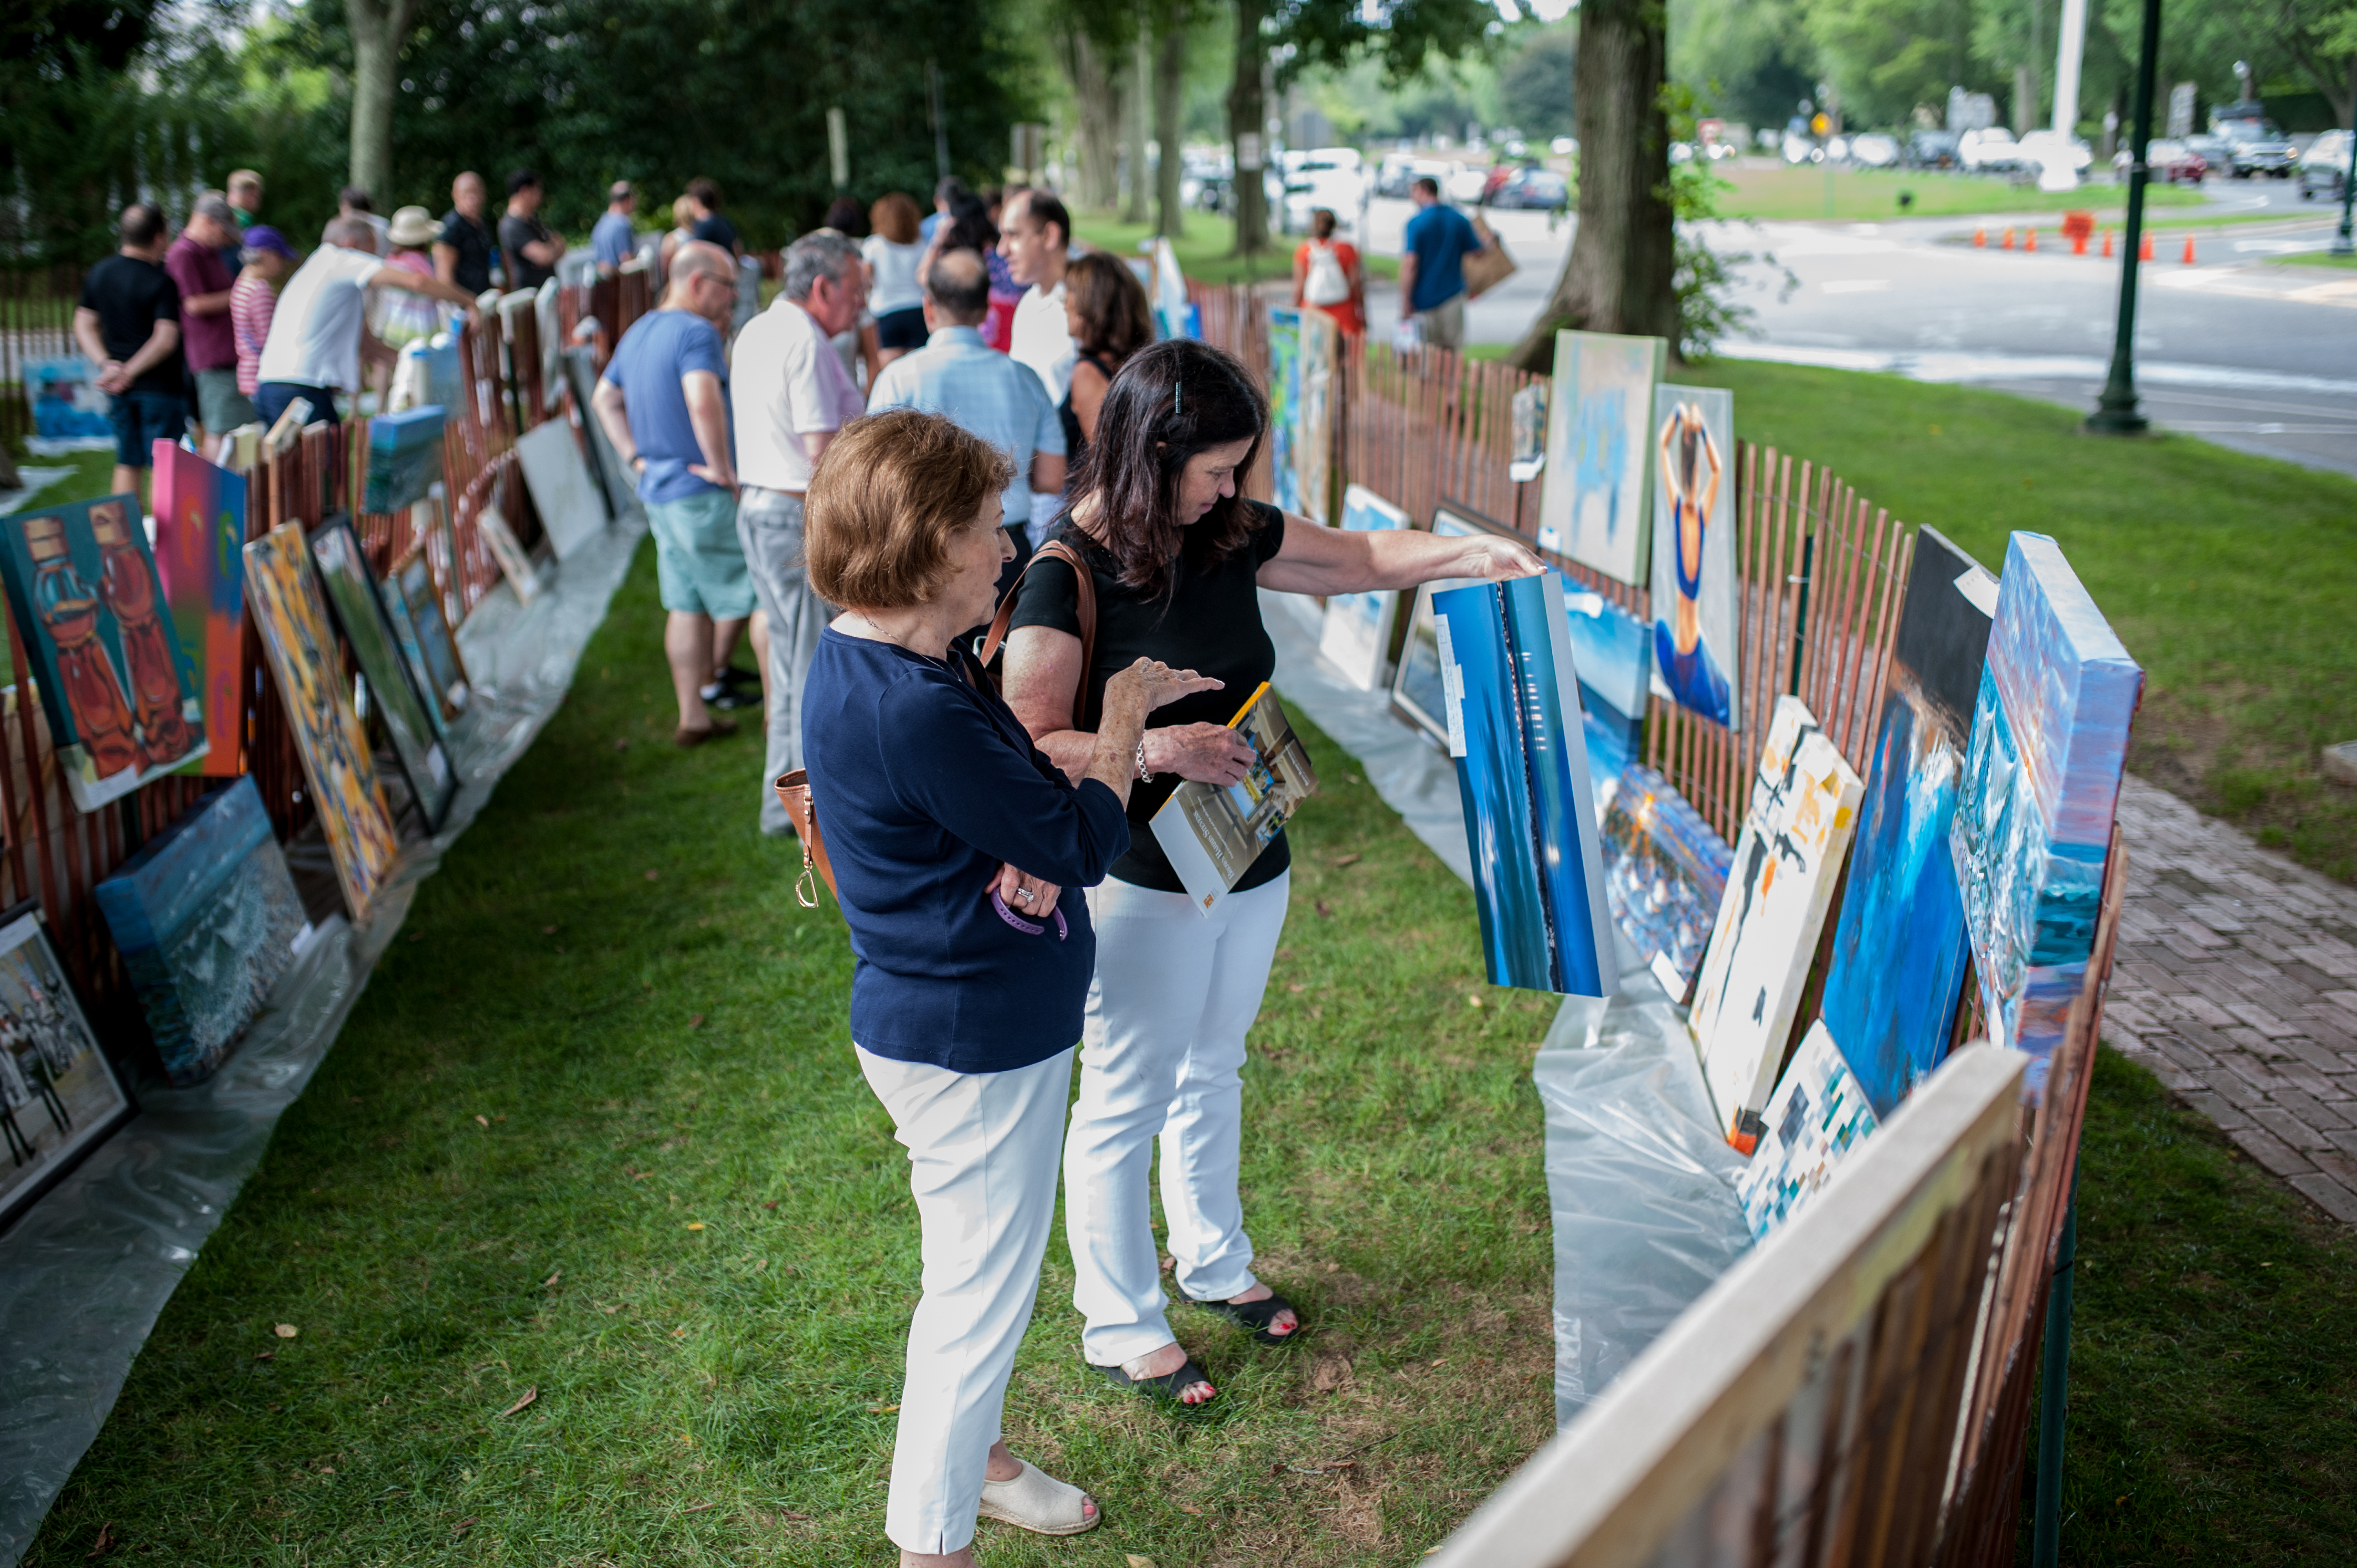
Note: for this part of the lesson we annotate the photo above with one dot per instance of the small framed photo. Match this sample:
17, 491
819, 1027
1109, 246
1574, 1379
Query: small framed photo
59, 1095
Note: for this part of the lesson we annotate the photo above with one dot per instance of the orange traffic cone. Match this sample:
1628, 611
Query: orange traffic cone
2144, 251
2108, 245
2189, 250
1980, 236
2007, 244
2029, 240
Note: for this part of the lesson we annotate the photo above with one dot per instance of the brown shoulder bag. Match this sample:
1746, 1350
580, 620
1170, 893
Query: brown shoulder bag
794, 788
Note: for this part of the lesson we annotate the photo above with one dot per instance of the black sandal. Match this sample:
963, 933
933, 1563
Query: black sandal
1257, 1315
1169, 1386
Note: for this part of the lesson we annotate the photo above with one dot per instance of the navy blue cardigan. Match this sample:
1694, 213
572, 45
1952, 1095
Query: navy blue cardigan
924, 781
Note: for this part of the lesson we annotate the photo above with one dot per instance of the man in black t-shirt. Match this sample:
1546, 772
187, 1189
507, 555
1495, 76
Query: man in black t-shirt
463, 252
531, 248
128, 323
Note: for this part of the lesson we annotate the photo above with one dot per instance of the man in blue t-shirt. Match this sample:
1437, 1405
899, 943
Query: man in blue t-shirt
615, 240
1432, 271
664, 403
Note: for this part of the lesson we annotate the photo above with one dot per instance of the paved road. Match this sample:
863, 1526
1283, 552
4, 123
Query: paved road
2237, 347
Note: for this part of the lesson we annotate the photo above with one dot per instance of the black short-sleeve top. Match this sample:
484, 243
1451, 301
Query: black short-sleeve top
1209, 621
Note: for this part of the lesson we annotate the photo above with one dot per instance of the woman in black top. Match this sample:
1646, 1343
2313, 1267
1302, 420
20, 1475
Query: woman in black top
1178, 559
1106, 312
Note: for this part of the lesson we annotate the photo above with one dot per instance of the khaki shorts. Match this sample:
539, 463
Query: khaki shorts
221, 407
1444, 324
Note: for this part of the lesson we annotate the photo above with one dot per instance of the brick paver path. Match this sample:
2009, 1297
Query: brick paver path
2236, 982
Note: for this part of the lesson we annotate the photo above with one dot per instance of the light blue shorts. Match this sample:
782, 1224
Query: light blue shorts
699, 565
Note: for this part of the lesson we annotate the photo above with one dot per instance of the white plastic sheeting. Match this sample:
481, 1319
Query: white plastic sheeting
86, 1271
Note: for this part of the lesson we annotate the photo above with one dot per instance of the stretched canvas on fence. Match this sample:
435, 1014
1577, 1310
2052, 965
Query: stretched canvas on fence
284, 594
613, 476
60, 1096
1612, 652
1512, 707
360, 611
199, 529
65, 401
1594, 505
2041, 780
1284, 406
1817, 1116
415, 607
1416, 684
1665, 874
570, 506
1313, 452
119, 694
514, 564
1528, 458
206, 920
1898, 953
1803, 812
1357, 636
404, 458
1696, 613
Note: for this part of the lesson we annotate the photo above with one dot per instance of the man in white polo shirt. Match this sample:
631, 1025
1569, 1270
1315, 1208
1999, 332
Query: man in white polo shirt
791, 395
1035, 236
319, 331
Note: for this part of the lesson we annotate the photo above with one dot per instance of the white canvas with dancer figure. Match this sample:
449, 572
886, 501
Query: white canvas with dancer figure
1697, 617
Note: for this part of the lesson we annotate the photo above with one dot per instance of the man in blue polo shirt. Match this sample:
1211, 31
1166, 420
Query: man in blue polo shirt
664, 403
1432, 271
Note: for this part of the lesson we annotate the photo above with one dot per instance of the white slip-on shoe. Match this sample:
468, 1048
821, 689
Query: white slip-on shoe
1037, 1501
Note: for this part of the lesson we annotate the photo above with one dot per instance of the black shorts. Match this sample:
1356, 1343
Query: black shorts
901, 329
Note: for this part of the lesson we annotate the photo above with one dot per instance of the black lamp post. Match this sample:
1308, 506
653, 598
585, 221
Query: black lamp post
2342, 243
2115, 411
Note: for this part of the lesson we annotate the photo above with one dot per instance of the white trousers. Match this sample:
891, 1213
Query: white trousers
1161, 1056
982, 1165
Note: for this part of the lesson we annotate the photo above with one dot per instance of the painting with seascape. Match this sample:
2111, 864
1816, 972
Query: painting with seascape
1595, 502
1899, 953
2041, 781
1695, 614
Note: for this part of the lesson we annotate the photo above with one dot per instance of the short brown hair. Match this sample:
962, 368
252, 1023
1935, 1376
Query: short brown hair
1116, 319
894, 216
887, 496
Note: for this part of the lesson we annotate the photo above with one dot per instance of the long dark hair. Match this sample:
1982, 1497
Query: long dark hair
1169, 401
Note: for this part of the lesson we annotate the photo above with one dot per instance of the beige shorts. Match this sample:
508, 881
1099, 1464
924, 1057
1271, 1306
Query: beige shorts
1444, 324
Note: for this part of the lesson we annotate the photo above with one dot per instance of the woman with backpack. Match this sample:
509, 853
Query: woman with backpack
1327, 275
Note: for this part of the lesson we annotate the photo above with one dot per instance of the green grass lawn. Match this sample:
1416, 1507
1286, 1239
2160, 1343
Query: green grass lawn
2230, 577
2317, 259
1785, 192
1207, 250
94, 472
595, 1130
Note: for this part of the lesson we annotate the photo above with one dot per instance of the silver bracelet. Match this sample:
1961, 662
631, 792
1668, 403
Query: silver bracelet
1142, 773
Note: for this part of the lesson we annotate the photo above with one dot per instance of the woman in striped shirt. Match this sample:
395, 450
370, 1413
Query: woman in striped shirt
253, 299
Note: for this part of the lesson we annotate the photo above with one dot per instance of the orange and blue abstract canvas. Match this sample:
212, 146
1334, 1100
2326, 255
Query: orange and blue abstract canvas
199, 529
1511, 705
1899, 953
2041, 781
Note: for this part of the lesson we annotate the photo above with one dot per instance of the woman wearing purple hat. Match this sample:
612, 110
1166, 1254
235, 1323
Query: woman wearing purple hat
253, 298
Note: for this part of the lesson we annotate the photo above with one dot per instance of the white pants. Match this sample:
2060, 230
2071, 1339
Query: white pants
982, 1158
1174, 994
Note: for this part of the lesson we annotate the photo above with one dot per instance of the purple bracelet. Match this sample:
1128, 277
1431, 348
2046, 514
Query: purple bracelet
1028, 927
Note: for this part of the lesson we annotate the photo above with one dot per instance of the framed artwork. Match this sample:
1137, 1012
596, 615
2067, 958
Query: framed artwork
1666, 874
1415, 684
516, 564
199, 529
353, 595
1313, 451
206, 919
1802, 813
414, 607
1512, 707
1594, 505
570, 505
1697, 619
119, 694
59, 1097
283, 595
1816, 1117
1284, 406
2041, 780
1898, 954
1357, 636
613, 478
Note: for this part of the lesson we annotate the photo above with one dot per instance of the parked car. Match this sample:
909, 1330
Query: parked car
2254, 146
1933, 149
1988, 150
2052, 149
2175, 161
2212, 151
1331, 177
1872, 149
2325, 166
1532, 187
1465, 183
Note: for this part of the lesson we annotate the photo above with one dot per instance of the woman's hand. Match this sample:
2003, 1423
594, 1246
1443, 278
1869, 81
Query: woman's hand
1026, 893
1155, 685
1492, 559
1208, 753
1121, 729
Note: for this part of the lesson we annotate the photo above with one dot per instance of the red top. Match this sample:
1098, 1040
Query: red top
1346, 312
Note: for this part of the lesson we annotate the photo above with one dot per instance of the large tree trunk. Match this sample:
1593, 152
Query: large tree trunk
1139, 91
1170, 108
379, 29
1096, 90
1247, 130
1619, 276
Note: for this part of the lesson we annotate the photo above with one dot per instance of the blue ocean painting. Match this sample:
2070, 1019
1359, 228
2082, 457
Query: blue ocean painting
206, 917
1530, 814
2040, 785
1595, 497
1898, 953
1613, 657
1357, 635
1284, 405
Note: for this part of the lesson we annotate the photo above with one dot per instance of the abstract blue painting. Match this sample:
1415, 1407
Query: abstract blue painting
1613, 657
1512, 713
206, 919
1899, 951
1284, 406
2041, 780
1594, 505
1415, 686
1356, 637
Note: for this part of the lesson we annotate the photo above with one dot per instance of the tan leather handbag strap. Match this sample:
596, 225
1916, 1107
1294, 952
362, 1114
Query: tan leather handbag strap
1084, 607
793, 793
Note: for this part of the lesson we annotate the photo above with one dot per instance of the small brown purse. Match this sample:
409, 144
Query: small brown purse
794, 788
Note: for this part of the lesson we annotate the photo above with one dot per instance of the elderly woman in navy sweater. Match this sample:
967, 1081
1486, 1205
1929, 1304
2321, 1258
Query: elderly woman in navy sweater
959, 852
